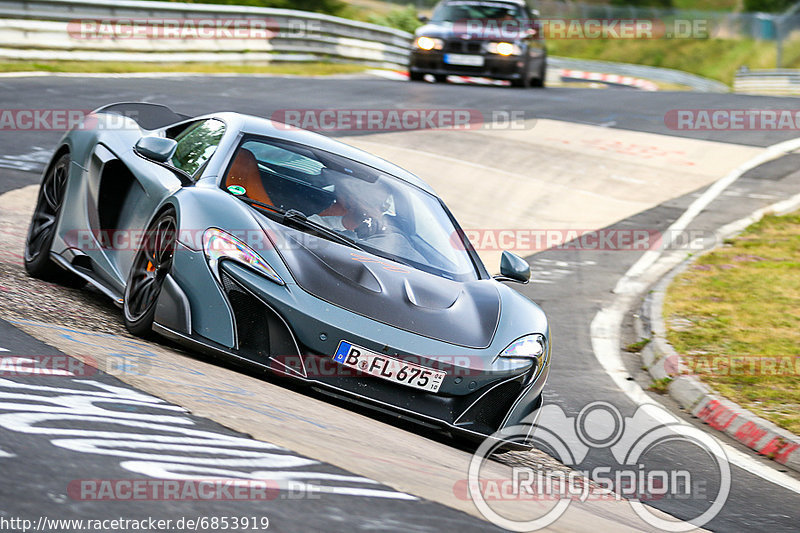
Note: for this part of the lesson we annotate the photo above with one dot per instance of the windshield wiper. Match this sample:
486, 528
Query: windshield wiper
299, 218
256, 203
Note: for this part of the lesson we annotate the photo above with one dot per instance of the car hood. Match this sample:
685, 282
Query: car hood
460, 313
449, 30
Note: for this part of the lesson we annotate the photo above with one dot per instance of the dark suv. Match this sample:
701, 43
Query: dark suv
498, 39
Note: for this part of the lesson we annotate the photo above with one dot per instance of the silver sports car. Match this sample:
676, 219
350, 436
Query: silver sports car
257, 241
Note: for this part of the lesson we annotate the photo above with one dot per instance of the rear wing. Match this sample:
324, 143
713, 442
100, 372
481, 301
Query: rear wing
148, 116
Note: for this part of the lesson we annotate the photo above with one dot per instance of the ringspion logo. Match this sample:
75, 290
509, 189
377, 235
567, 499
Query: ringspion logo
625, 463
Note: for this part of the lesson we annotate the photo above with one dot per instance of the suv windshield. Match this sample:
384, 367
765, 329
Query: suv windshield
472, 10
377, 212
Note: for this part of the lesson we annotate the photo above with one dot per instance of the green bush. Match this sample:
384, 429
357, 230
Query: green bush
770, 6
402, 19
331, 7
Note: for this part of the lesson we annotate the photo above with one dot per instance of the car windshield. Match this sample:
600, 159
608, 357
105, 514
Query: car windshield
472, 10
377, 212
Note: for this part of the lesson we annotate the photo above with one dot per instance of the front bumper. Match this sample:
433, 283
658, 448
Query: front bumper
494, 66
480, 394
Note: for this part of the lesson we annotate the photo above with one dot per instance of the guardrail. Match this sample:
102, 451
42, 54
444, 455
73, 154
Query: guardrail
45, 30
29, 29
778, 82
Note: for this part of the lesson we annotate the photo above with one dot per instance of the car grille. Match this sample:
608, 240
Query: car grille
462, 46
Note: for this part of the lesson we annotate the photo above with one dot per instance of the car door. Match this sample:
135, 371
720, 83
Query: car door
130, 188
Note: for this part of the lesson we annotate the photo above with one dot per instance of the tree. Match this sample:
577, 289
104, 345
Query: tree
643, 3
331, 7
769, 6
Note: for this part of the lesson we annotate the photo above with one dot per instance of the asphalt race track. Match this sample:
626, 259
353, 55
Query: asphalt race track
390, 482
30, 478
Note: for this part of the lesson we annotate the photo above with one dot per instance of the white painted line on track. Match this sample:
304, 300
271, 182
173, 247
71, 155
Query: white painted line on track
605, 327
651, 256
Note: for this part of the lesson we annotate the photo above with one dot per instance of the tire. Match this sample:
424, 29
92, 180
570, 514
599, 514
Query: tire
416, 76
540, 81
151, 264
43, 226
440, 78
524, 80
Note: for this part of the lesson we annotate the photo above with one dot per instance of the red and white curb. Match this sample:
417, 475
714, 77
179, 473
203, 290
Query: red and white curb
564, 74
660, 358
615, 79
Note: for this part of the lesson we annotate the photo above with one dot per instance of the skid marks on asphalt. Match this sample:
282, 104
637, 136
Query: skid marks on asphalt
129, 358
153, 438
546, 271
33, 161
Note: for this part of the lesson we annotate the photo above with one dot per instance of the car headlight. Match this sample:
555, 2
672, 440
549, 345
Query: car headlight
527, 347
219, 245
504, 49
429, 43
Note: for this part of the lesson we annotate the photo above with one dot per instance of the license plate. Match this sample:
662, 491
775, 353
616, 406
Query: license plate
463, 59
388, 368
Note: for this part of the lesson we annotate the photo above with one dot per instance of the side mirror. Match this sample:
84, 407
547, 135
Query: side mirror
514, 268
156, 149
422, 18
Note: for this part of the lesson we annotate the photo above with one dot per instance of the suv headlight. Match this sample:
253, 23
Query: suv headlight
429, 43
527, 347
219, 245
504, 49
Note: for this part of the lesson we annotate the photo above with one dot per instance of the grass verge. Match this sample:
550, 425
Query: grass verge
638, 346
660, 386
717, 59
735, 317
114, 67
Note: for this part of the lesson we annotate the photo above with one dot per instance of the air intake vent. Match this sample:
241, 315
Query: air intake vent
260, 331
487, 415
252, 329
